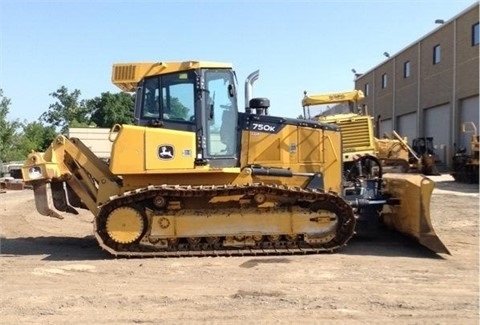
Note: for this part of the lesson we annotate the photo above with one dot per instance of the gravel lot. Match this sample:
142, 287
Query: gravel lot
53, 272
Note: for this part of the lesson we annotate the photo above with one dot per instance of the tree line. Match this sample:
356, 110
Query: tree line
18, 138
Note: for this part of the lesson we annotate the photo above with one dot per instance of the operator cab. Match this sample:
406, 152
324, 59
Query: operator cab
203, 101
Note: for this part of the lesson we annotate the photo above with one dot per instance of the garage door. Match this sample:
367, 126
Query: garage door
468, 113
407, 126
385, 127
437, 125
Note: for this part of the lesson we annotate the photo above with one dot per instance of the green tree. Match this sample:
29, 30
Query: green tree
9, 136
110, 109
67, 111
36, 137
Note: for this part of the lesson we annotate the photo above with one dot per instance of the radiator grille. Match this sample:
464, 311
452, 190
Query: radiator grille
124, 73
355, 134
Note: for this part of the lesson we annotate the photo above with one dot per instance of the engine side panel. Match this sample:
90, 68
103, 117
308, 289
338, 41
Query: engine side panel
297, 145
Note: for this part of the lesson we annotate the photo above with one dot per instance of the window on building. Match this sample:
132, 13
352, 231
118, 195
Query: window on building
406, 69
436, 54
366, 90
384, 80
475, 34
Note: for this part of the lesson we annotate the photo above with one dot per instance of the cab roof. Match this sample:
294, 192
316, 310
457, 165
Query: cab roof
126, 76
346, 96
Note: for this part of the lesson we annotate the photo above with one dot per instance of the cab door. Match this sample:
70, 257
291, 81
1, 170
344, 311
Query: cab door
221, 118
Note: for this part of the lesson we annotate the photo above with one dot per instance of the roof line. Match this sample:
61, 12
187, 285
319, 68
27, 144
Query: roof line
421, 39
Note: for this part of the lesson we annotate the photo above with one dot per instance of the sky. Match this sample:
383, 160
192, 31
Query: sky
297, 45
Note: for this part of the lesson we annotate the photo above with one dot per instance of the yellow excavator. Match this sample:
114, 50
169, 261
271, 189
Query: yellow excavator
196, 177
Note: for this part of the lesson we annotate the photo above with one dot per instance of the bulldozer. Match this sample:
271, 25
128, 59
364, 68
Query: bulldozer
194, 176
418, 158
394, 152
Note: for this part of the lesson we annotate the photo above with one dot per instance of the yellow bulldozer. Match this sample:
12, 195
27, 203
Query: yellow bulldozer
394, 151
196, 177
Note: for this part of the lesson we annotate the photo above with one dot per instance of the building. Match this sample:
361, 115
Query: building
96, 139
431, 87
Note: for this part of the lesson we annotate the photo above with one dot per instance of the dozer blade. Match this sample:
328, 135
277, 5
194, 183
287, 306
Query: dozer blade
411, 215
43, 201
59, 197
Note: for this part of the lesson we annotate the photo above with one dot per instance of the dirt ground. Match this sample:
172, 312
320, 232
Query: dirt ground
53, 272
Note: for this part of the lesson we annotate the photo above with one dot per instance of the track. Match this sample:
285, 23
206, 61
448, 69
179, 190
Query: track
283, 199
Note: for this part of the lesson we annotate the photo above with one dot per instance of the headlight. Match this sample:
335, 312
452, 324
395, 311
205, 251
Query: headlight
35, 172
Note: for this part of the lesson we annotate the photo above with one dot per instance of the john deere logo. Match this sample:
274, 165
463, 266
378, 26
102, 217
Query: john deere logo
166, 152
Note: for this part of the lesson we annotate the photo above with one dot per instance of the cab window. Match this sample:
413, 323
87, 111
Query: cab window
170, 98
151, 94
178, 98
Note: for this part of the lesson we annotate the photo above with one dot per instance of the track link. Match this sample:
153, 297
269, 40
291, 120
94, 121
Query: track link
305, 199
